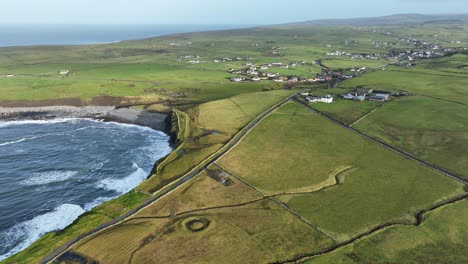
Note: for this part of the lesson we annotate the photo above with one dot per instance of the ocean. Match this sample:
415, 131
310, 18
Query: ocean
53, 171
28, 35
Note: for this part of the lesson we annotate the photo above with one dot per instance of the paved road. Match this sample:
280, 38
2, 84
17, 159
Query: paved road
405, 154
236, 139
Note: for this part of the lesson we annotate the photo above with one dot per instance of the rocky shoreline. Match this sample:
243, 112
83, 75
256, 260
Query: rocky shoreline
157, 121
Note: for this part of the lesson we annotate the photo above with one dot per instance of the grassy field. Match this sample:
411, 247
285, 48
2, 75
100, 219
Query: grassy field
296, 151
440, 239
347, 111
202, 192
434, 130
208, 127
169, 239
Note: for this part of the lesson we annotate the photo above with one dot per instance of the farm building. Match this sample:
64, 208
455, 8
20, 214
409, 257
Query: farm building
379, 97
359, 98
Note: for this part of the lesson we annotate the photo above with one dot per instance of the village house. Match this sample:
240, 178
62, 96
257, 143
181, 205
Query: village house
271, 75
64, 72
256, 79
293, 79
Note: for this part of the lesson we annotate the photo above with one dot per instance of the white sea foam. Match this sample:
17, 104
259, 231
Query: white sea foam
126, 184
31, 122
18, 141
30, 231
49, 177
13, 142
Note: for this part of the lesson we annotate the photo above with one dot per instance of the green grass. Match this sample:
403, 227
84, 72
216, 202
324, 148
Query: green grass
347, 111
440, 239
294, 150
433, 130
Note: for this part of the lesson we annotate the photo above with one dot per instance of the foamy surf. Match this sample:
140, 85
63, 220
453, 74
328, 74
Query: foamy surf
126, 184
49, 177
30, 231
97, 161
32, 122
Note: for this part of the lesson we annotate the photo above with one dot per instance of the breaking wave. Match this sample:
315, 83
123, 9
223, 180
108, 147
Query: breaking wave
30, 231
126, 184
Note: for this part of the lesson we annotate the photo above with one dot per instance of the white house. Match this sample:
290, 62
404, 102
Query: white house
237, 79
64, 72
324, 99
327, 99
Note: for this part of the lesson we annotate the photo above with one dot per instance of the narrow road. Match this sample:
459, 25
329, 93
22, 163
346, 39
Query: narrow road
236, 139
405, 154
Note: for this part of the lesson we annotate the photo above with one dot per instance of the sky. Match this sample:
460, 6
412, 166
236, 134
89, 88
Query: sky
233, 12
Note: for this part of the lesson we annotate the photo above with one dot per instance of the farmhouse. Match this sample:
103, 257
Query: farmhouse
256, 79
64, 72
316, 99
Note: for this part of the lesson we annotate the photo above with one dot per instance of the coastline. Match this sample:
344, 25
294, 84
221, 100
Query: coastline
154, 120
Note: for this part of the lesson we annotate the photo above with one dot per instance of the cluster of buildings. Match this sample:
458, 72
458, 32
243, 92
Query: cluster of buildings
180, 44
256, 73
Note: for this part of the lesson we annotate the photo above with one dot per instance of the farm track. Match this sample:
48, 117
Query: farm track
236, 139
405, 154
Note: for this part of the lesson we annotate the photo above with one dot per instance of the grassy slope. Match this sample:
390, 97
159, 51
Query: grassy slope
440, 239
431, 129
294, 148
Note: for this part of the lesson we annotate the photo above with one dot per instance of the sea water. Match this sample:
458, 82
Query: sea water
53, 171
28, 35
